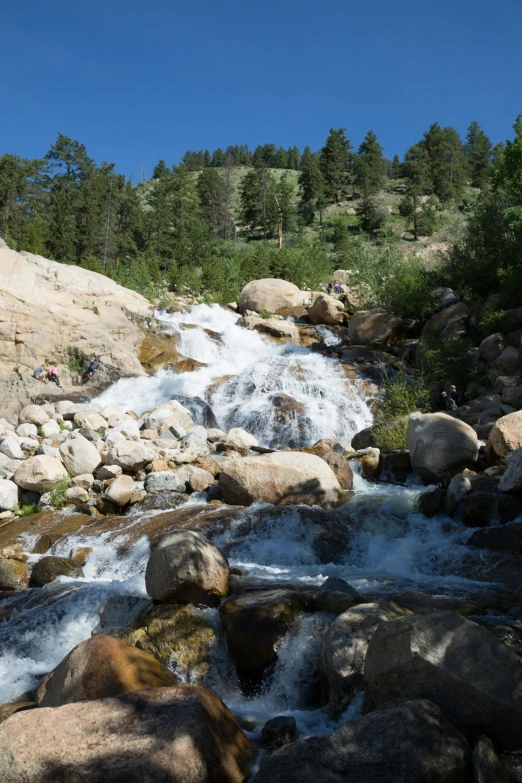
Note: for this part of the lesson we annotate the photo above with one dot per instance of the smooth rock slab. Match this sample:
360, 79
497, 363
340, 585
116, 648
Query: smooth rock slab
182, 734
409, 742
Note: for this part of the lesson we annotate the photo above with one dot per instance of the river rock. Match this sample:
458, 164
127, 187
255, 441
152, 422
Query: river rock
508, 362
130, 455
99, 667
8, 495
166, 480
443, 321
79, 456
279, 731
173, 411
76, 495
487, 767
373, 328
254, 623
458, 488
491, 347
106, 472
27, 430
49, 568
240, 440
40, 474
84, 480
335, 596
439, 444
198, 479
275, 327
186, 568
470, 674
50, 428
506, 434
480, 509
182, 733
339, 465
343, 651
91, 420
33, 414
284, 478
120, 491
10, 446
269, 295
406, 742
14, 575
511, 480
326, 310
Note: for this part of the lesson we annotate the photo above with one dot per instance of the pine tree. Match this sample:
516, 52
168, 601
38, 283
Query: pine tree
396, 167
285, 197
160, 169
225, 195
447, 162
12, 187
218, 157
311, 182
280, 160
257, 202
478, 151
370, 173
208, 187
416, 171
336, 160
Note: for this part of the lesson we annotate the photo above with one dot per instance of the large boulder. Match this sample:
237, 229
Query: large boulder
80, 456
8, 495
185, 568
254, 623
408, 742
14, 575
274, 327
120, 491
453, 316
439, 444
172, 413
33, 414
182, 733
40, 474
49, 568
373, 327
285, 478
130, 455
487, 767
102, 666
326, 310
10, 446
511, 480
270, 295
466, 670
240, 440
506, 434
491, 347
343, 651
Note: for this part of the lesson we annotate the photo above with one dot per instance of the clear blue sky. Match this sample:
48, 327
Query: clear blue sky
139, 81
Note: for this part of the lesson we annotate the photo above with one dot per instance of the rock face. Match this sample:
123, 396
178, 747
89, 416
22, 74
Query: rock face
341, 662
326, 310
102, 666
40, 474
467, 671
439, 444
269, 294
506, 434
80, 456
487, 767
284, 478
409, 742
372, 327
183, 733
511, 481
186, 568
47, 307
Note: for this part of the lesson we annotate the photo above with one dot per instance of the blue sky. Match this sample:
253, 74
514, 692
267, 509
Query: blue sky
139, 81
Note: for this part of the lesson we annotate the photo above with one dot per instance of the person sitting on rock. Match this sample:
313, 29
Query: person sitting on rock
93, 366
52, 375
39, 373
329, 288
449, 402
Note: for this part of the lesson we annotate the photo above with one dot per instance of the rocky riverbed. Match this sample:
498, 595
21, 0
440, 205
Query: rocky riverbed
209, 572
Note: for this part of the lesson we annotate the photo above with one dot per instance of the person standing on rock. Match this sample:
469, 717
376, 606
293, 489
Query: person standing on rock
454, 396
329, 288
39, 373
337, 287
52, 375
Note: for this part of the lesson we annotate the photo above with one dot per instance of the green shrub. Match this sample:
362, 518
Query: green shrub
446, 360
57, 496
28, 510
266, 314
402, 395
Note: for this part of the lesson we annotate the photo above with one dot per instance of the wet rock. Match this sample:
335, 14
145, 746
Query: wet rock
180, 733
335, 596
269, 295
281, 478
40, 474
279, 329
343, 651
254, 623
464, 669
458, 488
326, 310
164, 499
176, 635
99, 667
507, 538
186, 568
439, 444
398, 464
79, 456
412, 740
487, 767
130, 455
279, 731
8, 495
14, 575
479, 509
50, 568
120, 491
364, 439
118, 612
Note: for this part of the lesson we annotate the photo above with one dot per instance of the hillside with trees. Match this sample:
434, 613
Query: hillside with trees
450, 210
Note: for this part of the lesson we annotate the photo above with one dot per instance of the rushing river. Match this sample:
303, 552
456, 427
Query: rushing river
392, 547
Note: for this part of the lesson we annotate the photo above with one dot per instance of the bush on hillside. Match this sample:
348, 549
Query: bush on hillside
402, 395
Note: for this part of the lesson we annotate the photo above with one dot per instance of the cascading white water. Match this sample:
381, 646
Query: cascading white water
389, 546
318, 402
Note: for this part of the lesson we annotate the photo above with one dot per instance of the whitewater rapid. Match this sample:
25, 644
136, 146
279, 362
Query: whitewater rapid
391, 546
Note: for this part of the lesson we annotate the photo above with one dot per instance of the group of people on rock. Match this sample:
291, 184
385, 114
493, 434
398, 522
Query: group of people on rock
451, 399
52, 374
335, 286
